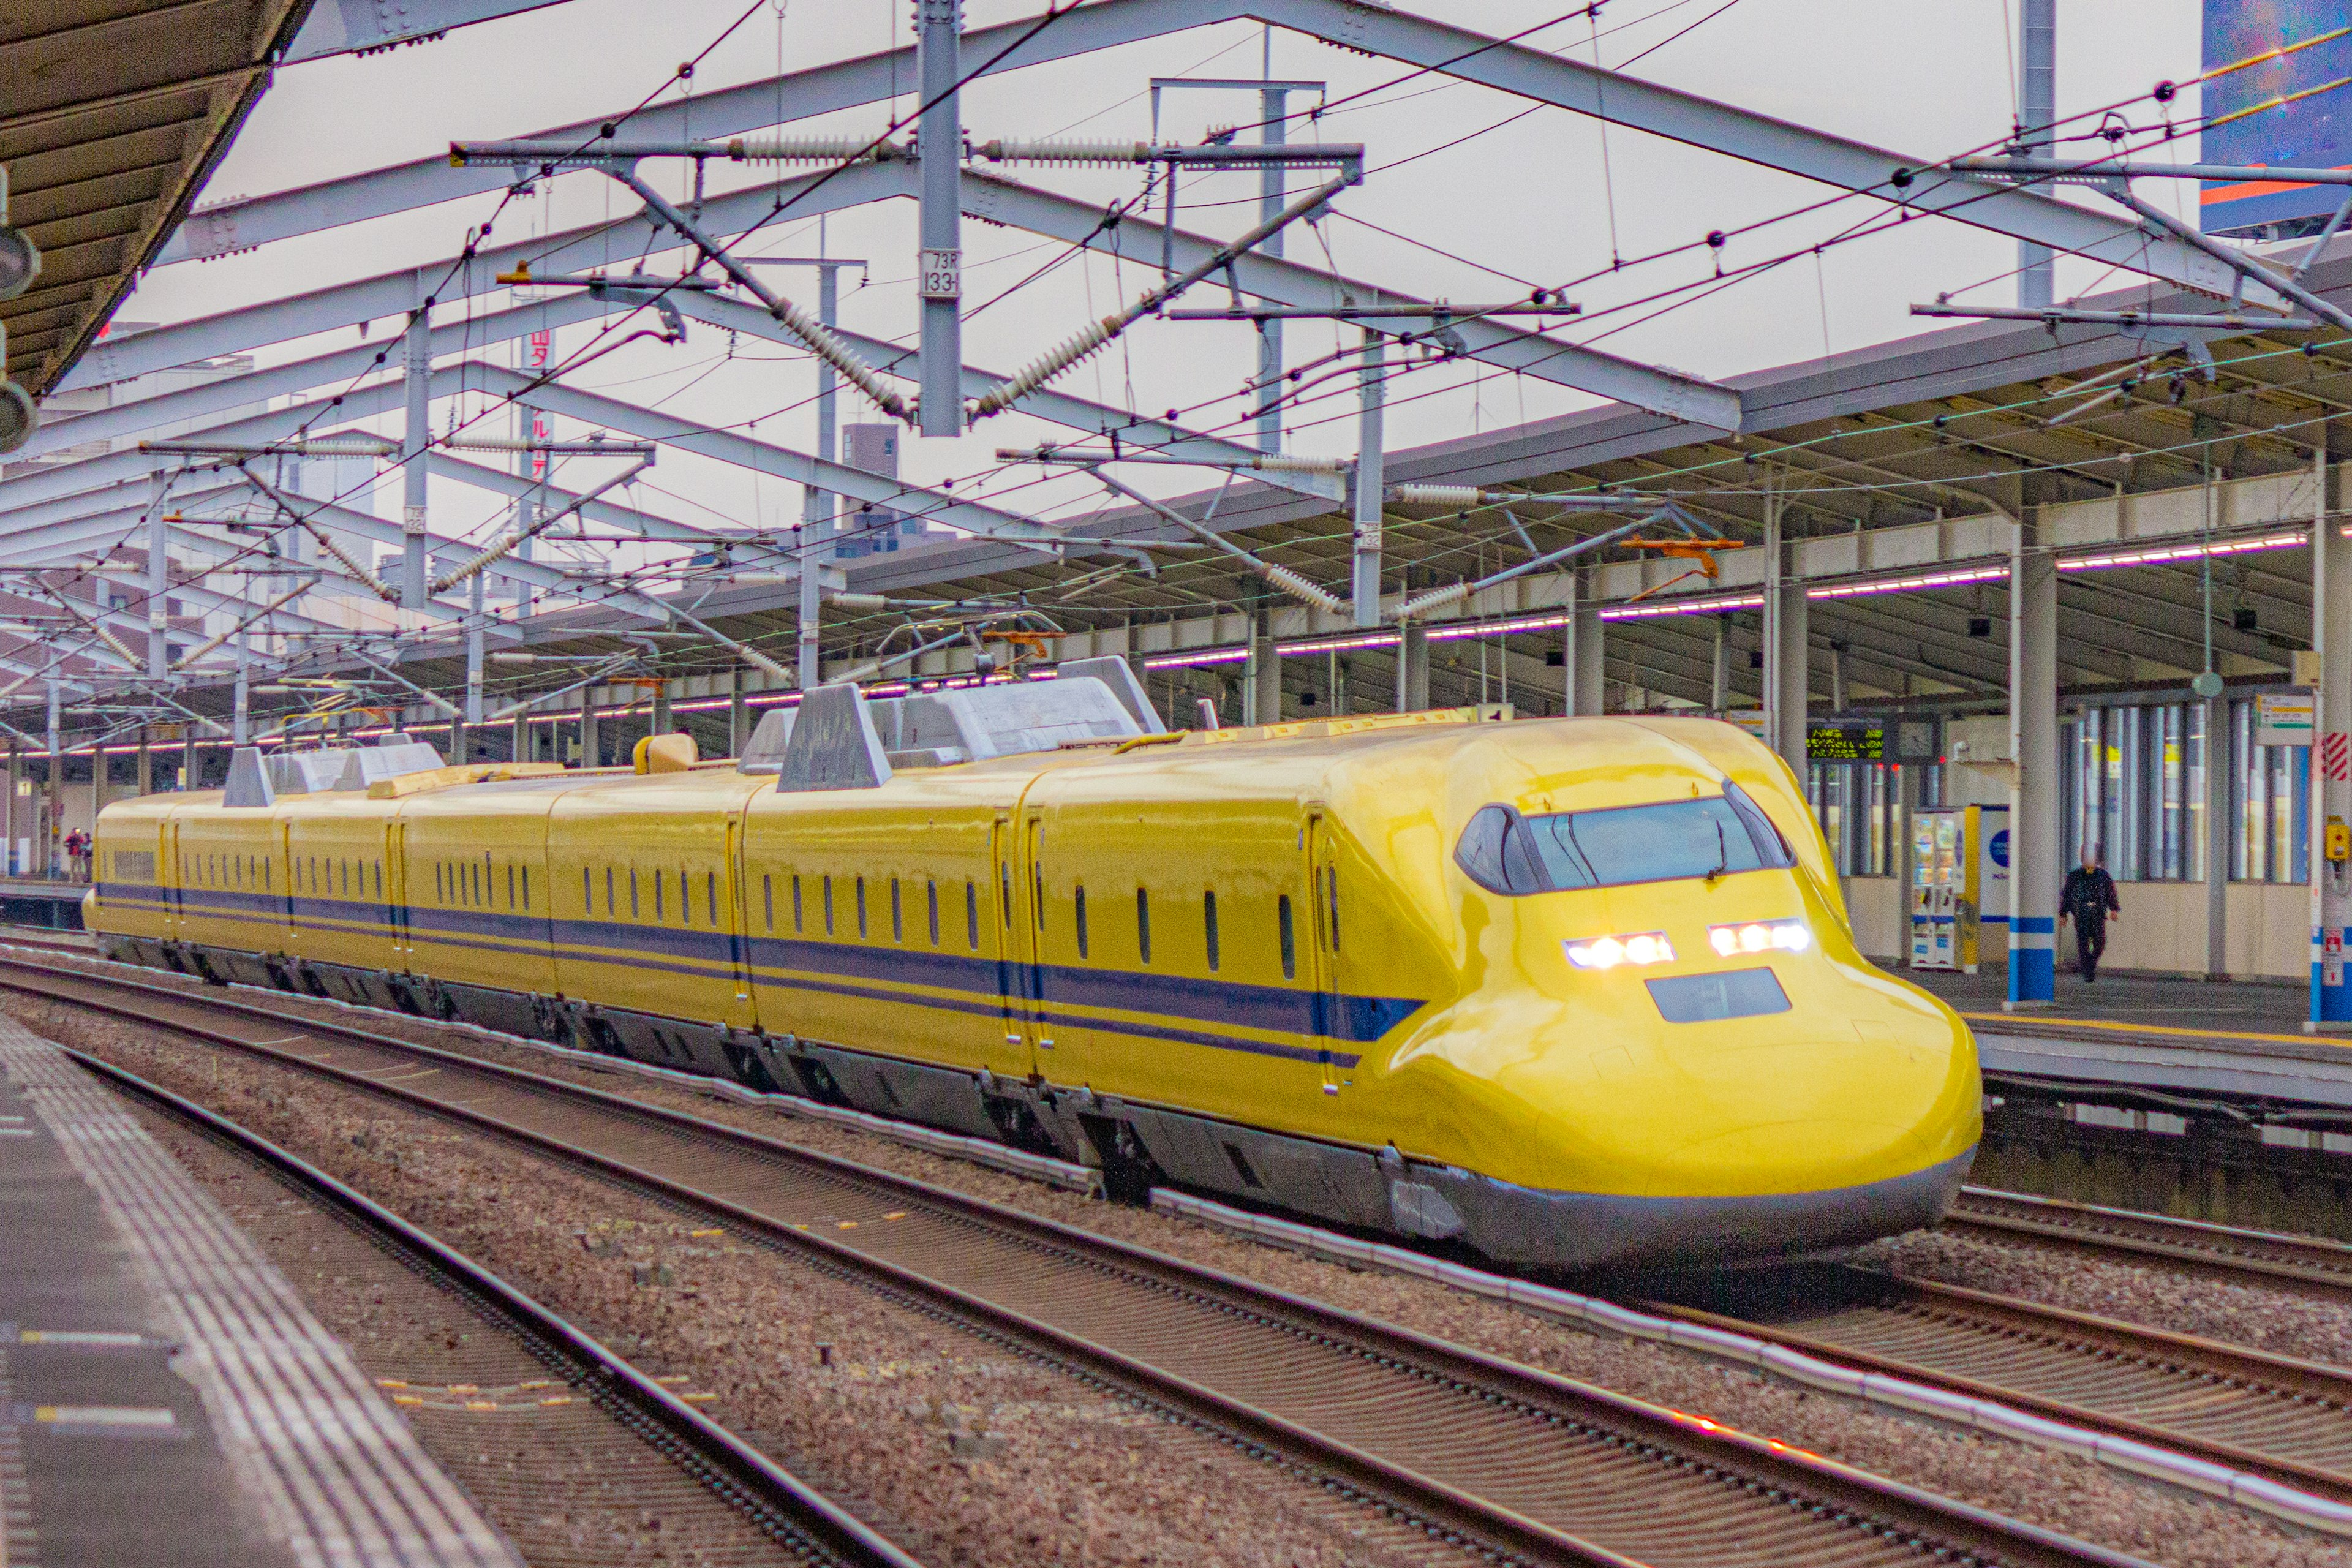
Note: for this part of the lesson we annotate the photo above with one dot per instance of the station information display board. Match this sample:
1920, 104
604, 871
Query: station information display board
1846, 742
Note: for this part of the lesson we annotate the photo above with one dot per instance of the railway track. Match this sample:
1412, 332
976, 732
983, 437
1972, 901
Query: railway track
609, 1420
48, 936
2275, 1416
2258, 1256
1498, 1459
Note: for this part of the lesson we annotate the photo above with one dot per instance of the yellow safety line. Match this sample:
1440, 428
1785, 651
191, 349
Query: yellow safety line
2117, 1024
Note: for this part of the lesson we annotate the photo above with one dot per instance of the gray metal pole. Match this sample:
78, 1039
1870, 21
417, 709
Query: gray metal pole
47, 847
2033, 869
474, 637
2037, 110
241, 721
159, 580
521, 747
1412, 667
739, 718
416, 434
1788, 680
1369, 482
1585, 687
940, 272
1718, 685
2219, 831
1273, 103
817, 506
2331, 785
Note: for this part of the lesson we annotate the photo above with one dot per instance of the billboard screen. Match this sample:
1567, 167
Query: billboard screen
2314, 132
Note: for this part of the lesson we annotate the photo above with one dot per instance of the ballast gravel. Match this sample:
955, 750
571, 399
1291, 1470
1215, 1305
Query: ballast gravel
2041, 1486
959, 1450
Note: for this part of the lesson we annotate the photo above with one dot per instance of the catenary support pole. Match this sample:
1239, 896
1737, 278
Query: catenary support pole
739, 717
2331, 761
2037, 111
1272, 105
591, 749
241, 711
475, 624
1412, 667
521, 748
1788, 647
159, 578
1370, 436
417, 435
940, 270
47, 847
659, 722
1266, 671
817, 506
2033, 870
1584, 683
1719, 683
146, 764
2219, 832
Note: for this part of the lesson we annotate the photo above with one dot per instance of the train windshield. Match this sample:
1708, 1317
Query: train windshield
1670, 841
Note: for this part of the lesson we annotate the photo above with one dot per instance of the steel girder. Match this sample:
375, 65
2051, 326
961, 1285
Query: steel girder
985, 197
1543, 78
358, 27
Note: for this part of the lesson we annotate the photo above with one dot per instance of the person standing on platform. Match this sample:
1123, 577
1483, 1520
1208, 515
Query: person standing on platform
2090, 900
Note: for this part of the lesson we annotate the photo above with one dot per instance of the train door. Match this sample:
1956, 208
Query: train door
1017, 948
174, 873
395, 892
738, 925
285, 891
1329, 1011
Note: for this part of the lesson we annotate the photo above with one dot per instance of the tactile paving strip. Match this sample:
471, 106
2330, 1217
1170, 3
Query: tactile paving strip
337, 1472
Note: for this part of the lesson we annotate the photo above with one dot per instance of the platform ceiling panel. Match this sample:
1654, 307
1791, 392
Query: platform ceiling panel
112, 114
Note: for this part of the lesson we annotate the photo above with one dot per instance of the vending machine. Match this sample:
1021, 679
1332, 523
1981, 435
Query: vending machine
1937, 873
1959, 887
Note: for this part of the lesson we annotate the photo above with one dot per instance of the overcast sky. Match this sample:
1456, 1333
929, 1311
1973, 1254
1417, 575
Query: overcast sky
1543, 199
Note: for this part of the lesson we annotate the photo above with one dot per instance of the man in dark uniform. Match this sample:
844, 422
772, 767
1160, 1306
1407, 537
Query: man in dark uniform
2090, 900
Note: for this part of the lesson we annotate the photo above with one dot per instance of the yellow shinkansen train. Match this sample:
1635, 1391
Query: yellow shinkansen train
1569, 992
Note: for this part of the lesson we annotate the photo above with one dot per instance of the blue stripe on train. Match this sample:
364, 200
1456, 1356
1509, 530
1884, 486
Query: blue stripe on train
1054, 989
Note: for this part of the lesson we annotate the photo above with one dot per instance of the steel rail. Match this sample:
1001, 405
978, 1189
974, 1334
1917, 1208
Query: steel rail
801, 1518
1495, 1457
2279, 1418
2309, 1264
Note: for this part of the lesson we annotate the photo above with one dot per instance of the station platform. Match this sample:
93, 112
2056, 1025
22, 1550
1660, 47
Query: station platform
2189, 1038
164, 1394
31, 900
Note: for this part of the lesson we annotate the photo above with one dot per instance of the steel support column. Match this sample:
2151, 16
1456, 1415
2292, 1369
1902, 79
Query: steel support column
739, 718
940, 270
1788, 675
659, 722
47, 847
1412, 667
519, 748
146, 763
1265, 691
2033, 869
2037, 111
1584, 686
1370, 480
2219, 830
2331, 763
1718, 684
159, 578
415, 436
591, 751
241, 714
462, 732
1272, 104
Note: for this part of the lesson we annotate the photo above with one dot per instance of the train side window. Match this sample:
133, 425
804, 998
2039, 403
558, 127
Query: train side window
685, 897
269, 875
1037, 892
971, 914
587, 892
897, 917
1143, 925
633, 892
1208, 924
608, 891
828, 903
1332, 902
861, 909
931, 892
510, 887
659, 914
1289, 939
379, 878
477, 880
798, 923
526, 887
1080, 901
768, 899
437, 872
711, 894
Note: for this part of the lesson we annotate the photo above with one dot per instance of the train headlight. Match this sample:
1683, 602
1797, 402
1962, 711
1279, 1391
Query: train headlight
1759, 936
1609, 952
